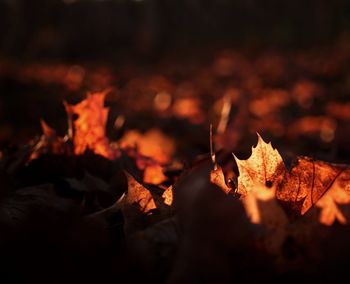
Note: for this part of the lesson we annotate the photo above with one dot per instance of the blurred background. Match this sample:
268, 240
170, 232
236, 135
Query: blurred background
75, 29
277, 67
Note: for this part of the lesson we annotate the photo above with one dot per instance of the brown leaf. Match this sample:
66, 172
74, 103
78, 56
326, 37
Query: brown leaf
143, 206
265, 166
136, 204
309, 182
306, 182
138, 194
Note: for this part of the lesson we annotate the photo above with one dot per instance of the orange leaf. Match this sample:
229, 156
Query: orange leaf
265, 166
138, 195
308, 183
89, 127
168, 196
217, 177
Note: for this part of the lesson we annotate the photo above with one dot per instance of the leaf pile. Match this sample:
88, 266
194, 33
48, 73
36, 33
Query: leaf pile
83, 205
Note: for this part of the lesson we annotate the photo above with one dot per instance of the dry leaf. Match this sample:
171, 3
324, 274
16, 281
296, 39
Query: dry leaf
265, 166
49, 142
309, 182
142, 206
89, 127
217, 177
306, 182
136, 204
138, 195
168, 196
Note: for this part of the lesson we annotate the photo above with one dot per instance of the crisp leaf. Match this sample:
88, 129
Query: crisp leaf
265, 166
306, 182
138, 195
217, 177
309, 182
168, 196
89, 127
137, 203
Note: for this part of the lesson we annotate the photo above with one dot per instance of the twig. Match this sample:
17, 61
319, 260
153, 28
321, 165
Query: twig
212, 150
225, 113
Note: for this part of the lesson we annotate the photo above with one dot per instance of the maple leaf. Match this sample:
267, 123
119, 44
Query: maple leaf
265, 166
309, 182
89, 127
306, 183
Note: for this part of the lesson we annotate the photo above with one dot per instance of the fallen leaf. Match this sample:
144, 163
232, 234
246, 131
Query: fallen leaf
265, 166
90, 124
138, 194
217, 177
137, 203
308, 182
49, 142
168, 196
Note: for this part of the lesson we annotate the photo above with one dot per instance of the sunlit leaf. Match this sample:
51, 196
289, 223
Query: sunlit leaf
90, 118
264, 166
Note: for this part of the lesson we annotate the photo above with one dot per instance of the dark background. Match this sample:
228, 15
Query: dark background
75, 29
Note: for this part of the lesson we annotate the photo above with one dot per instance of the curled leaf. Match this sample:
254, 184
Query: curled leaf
217, 177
